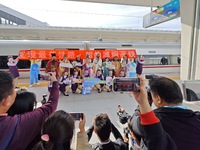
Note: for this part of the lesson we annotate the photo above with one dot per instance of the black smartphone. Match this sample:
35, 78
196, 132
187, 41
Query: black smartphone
77, 116
44, 76
125, 84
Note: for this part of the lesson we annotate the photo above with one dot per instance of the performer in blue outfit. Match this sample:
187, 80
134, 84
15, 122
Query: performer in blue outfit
34, 72
131, 68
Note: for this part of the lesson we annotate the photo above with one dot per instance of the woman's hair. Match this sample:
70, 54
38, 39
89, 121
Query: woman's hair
24, 102
75, 70
59, 127
98, 70
106, 58
63, 73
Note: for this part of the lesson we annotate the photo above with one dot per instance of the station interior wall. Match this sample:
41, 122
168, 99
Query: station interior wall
190, 51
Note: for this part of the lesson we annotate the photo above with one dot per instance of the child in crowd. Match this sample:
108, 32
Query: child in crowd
76, 82
109, 80
86, 73
122, 73
105, 69
65, 84
88, 65
85, 88
79, 70
99, 76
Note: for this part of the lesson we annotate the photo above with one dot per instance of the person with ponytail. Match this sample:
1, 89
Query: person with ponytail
57, 132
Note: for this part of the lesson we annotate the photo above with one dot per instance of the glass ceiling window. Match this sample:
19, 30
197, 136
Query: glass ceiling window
79, 14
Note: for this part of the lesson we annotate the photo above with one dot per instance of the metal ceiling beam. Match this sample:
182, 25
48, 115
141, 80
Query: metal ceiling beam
148, 3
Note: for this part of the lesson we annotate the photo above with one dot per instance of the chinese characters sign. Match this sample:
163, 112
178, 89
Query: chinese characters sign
72, 54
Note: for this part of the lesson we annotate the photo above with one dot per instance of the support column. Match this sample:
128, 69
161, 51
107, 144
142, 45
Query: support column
190, 43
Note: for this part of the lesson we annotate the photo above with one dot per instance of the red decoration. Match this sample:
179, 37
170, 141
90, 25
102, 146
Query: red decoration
45, 54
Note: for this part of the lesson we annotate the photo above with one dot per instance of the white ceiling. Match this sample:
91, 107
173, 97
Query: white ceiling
130, 2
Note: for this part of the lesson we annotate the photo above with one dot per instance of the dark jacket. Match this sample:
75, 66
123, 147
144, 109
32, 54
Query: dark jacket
178, 129
117, 145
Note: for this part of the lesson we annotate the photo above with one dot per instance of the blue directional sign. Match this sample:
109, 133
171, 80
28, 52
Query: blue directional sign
164, 13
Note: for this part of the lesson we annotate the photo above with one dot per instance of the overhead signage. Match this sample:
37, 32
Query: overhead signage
164, 13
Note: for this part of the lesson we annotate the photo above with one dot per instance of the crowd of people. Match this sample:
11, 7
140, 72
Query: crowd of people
71, 74
171, 126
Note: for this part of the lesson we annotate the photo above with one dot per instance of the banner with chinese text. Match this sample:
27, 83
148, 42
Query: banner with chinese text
72, 54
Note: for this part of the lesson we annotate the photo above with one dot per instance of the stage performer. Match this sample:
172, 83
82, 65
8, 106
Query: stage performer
12, 64
53, 65
34, 71
139, 66
88, 65
131, 68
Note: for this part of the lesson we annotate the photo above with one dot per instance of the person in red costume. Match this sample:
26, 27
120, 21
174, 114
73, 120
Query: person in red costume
53, 65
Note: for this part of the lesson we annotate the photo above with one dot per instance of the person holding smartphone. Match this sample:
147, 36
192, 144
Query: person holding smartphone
171, 124
24, 126
58, 131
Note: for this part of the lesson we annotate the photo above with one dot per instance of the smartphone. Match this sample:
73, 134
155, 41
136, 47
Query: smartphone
44, 76
77, 116
125, 84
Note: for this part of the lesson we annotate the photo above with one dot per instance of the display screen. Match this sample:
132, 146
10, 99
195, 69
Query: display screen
164, 13
125, 84
77, 116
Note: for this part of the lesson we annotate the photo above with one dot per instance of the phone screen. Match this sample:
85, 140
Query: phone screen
43, 76
125, 84
77, 116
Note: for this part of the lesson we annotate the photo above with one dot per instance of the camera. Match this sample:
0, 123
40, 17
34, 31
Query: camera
123, 116
126, 132
150, 77
44, 100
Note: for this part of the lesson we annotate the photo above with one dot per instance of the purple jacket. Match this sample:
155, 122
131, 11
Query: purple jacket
29, 124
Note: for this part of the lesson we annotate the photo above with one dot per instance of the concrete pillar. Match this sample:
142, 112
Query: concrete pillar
190, 43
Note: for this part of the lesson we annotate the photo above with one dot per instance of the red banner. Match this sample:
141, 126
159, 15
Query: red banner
71, 54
